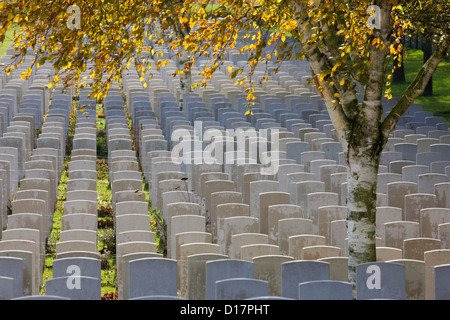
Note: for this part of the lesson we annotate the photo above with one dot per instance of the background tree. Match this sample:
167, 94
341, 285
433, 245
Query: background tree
427, 52
398, 70
429, 19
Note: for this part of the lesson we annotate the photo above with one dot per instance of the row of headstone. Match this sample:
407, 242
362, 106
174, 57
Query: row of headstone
190, 223
186, 227
134, 240
317, 130
211, 210
214, 276
33, 161
326, 209
313, 164
428, 183
297, 169
77, 267
168, 193
217, 203
81, 192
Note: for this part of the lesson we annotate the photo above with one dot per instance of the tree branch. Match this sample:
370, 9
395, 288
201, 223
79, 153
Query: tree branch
320, 64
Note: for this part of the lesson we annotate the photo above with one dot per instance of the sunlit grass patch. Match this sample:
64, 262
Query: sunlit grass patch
439, 103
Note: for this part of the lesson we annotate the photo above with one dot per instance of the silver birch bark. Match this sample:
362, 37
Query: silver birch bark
184, 62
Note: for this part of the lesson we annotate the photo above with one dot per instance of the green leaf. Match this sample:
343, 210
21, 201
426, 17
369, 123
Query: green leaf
234, 74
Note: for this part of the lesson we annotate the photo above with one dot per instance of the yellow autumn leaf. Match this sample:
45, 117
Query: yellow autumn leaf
322, 76
335, 67
342, 82
184, 20
234, 74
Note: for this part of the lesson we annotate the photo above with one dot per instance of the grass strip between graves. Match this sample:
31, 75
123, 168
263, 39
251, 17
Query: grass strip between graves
106, 233
157, 223
9, 37
50, 248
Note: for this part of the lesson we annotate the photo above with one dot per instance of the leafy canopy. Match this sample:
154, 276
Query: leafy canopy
115, 35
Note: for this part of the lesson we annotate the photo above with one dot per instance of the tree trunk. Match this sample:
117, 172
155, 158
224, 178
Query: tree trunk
361, 186
399, 72
427, 52
185, 64
365, 145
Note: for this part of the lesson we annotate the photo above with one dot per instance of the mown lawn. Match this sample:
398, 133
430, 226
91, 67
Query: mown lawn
439, 103
50, 250
9, 37
106, 234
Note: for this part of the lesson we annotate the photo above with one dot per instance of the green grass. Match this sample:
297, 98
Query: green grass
439, 103
106, 244
54, 237
9, 37
106, 235
157, 223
